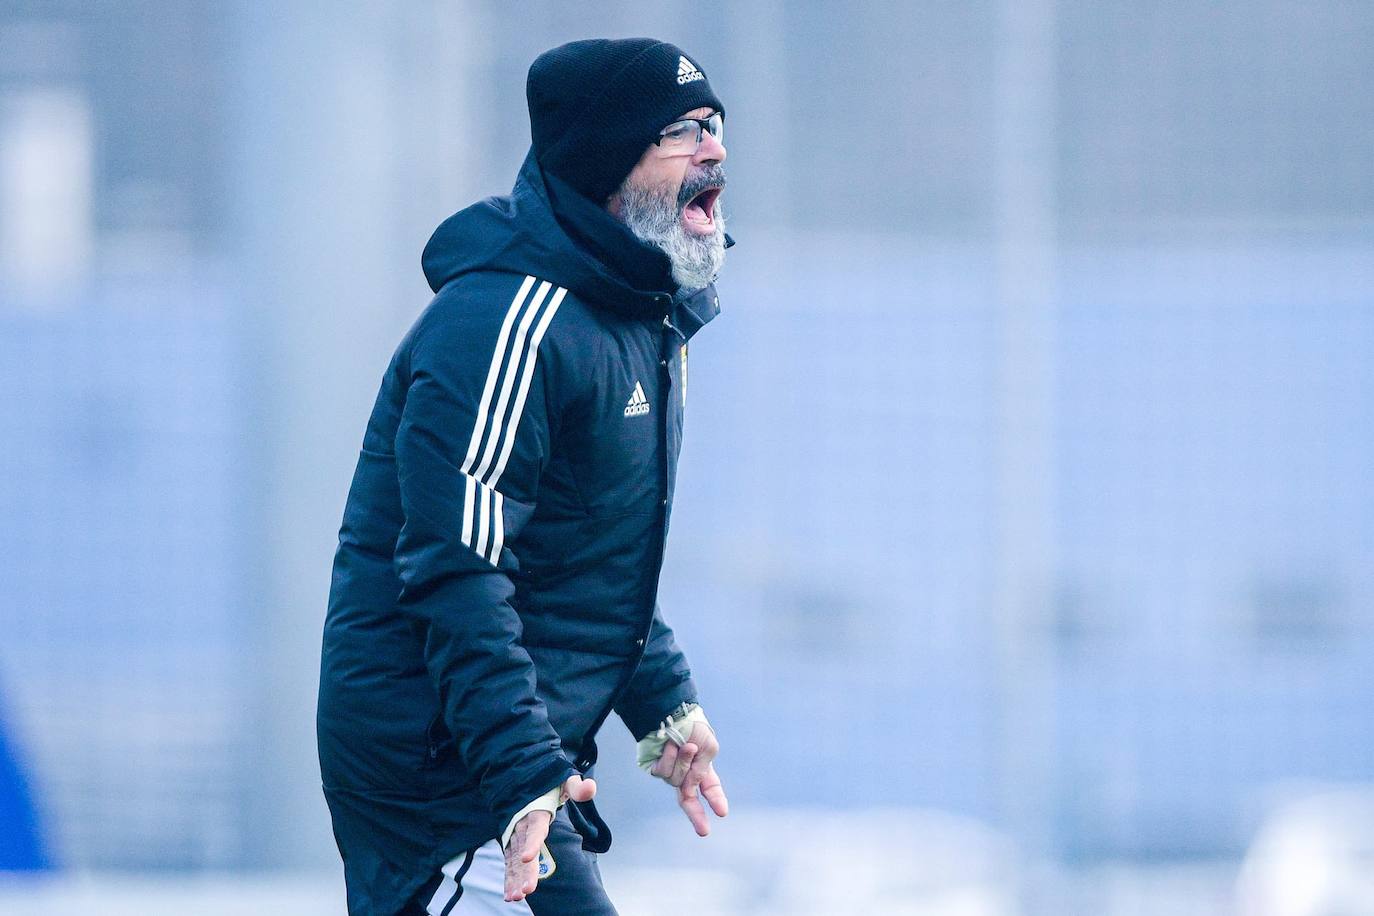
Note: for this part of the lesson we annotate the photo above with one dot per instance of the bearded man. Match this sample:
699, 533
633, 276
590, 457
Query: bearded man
494, 592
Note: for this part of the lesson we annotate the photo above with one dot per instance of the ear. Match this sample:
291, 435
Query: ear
614, 203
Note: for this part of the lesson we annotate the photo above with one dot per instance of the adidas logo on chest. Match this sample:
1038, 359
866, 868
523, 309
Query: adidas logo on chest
687, 72
639, 404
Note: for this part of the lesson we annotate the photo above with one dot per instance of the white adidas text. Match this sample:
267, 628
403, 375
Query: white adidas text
687, 72
639, 404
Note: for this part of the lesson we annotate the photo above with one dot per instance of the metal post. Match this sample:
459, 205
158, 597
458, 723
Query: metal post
1025, 167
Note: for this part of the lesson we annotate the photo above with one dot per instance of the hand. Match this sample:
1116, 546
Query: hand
522, 851
690, 769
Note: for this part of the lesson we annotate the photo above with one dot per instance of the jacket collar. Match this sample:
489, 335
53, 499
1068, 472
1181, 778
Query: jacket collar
566, 239
695, 309
642, 272
616, 270
607, 241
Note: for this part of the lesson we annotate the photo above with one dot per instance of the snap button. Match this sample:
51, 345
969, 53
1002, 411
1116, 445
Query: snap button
639, 642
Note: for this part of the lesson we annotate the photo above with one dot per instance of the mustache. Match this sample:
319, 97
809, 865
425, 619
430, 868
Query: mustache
711, 176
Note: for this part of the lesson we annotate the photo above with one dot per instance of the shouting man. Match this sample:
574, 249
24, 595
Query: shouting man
494, 589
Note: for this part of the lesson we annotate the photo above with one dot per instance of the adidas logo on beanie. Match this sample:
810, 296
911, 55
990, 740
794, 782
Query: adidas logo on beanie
596, 105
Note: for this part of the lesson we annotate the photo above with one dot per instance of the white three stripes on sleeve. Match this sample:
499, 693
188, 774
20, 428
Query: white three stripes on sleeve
493, 433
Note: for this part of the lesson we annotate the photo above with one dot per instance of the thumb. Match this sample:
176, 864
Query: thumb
579, 789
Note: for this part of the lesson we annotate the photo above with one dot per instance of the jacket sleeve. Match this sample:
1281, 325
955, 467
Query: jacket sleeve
472, 440
662, 682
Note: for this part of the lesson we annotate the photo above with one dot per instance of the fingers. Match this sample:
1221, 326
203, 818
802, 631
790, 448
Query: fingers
663, 769
690, 769
691, 806
685, 755
707, 748
579, 789
522, 853
714, 792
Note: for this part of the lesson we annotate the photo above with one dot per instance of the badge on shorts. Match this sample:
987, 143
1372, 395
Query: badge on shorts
547, 865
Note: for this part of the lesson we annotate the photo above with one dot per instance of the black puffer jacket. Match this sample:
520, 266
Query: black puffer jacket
493, 592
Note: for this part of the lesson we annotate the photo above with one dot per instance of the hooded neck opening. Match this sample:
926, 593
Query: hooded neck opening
631, 260
572, 243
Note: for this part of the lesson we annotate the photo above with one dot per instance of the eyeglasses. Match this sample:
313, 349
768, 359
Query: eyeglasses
683, 138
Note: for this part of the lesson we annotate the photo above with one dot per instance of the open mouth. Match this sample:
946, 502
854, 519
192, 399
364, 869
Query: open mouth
698, 212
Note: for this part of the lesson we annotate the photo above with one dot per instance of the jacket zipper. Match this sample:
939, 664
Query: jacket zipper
587, 756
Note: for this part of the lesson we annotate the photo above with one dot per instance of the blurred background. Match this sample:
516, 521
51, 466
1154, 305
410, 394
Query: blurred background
1030, 457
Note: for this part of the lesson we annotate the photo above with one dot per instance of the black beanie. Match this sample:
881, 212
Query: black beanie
596, 105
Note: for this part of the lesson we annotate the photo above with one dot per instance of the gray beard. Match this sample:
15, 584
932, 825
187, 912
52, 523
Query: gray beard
651, 216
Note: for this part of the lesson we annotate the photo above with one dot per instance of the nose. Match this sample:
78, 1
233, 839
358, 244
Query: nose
710, 151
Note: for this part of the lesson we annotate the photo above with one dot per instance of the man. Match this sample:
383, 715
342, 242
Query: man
494, 588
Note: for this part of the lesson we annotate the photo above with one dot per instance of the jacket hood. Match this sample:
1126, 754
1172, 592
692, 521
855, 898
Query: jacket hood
532, 231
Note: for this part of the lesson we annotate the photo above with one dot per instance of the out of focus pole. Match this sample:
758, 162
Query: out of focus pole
349, 119
1025, 170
